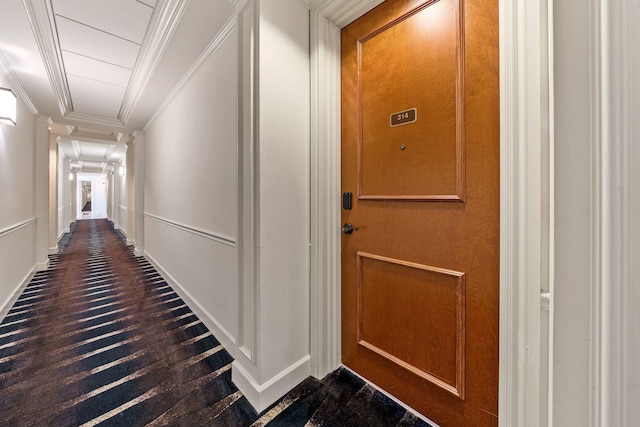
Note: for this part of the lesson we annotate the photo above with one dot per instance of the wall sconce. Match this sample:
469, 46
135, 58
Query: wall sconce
7, 107
71, 176
121, 170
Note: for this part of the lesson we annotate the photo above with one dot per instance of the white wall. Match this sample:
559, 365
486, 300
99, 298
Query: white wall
121, 196
633, 300
274, 353
571, 381
65, 213
190, 193
284, 184
17, 207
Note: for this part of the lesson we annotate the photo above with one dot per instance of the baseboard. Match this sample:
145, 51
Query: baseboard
8, 303
262, 396
227, 340
138, 252
131, 242
54, 250
42, 266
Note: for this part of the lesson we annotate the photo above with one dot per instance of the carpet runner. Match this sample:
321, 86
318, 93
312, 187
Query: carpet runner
101, 339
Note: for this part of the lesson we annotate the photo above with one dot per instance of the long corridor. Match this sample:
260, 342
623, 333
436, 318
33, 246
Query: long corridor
102, 338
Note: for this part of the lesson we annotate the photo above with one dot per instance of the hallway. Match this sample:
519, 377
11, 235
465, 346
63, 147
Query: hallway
101, 338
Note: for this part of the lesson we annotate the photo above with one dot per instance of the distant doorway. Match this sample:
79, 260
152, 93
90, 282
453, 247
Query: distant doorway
86, 198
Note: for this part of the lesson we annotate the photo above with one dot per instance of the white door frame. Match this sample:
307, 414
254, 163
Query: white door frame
522, 194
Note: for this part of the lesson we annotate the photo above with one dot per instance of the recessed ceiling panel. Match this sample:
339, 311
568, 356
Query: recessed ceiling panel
87, 41
95, 98
78, 65
94, 151
124, 18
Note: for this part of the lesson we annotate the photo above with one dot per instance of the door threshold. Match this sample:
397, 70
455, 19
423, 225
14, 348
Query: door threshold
393, 398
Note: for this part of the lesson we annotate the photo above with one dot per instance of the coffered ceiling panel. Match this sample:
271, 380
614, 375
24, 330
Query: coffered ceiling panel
85, 92
87, 41
78, 65
127, 19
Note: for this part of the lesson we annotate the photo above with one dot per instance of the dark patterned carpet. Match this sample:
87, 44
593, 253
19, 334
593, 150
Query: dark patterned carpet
101, 339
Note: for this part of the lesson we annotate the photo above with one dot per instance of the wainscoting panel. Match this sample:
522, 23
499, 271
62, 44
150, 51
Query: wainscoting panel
204, 271
17, 259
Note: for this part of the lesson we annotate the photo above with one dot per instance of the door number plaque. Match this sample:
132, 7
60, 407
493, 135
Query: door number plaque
404, 117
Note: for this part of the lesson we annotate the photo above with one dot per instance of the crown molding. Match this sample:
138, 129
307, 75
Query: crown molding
15, 83
208, 52
113, 124
342, 12
40, 14
163, 23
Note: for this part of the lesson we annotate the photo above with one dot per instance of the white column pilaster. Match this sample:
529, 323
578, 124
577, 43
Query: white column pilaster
139, 176
130, 179
42, 192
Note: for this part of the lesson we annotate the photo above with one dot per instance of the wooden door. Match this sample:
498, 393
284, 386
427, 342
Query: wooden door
420, 155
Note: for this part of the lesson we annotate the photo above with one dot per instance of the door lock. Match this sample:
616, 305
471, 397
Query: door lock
348, 228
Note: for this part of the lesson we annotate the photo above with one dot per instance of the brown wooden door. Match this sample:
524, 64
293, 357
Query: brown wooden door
420, 153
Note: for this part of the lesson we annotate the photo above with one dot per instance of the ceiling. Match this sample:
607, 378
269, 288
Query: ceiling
101, 68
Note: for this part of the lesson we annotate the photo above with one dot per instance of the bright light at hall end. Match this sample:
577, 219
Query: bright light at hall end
7, 107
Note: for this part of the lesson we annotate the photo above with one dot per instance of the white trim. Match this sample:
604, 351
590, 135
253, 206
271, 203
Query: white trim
15, 83
211, 235
163, 23
12, 228
207, 54
227, 340
40, 16
616, 145
8, 303
248, 181
53, 250
523, 57
261, 396
90, 119
327, 17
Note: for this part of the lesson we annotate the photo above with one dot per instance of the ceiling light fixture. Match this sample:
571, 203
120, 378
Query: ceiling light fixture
7, 107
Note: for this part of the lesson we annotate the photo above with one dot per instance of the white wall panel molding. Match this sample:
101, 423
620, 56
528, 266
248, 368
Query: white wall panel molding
228, 29
15, 227
40, 16
211, 235
41, 190
163, 23
619, 87
273, 229
15, 84
8, 303
139, 147
248, 183
227, 339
